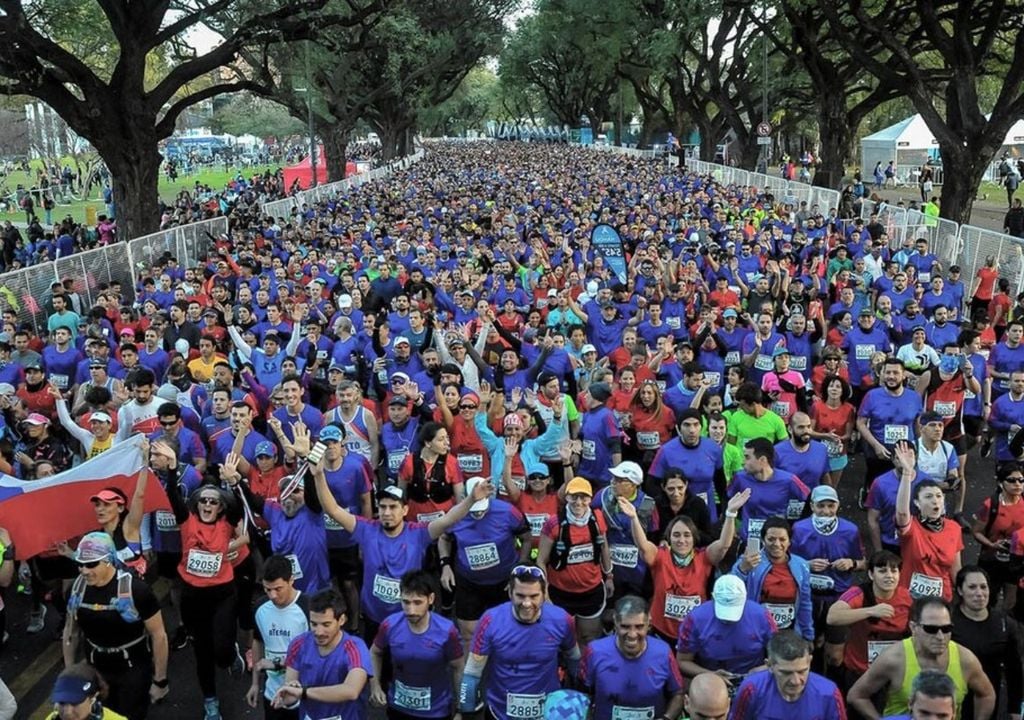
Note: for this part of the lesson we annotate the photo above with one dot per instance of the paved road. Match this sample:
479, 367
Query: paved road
29, 663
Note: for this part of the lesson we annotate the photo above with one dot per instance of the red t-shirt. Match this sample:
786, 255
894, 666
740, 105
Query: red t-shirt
779, 586
928, 557
580, 573
1009, 519
677, 591
427, 511
537, 512
866, 639
204, 552
652, 432
987, 285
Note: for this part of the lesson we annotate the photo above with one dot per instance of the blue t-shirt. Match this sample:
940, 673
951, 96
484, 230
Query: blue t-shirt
882, 497
348, 484
810, 466
759, 699
738, 647
522, 659
315, 670
623, 687
385, 560
487, 549
891, 417
781, 495
303, 540
421, 686
699, 464
843, 542
598, 430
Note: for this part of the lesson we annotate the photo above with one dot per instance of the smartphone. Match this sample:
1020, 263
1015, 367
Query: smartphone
316, 453
753, 544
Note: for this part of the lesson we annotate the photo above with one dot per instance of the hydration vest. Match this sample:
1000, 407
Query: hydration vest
434, 487
560, 552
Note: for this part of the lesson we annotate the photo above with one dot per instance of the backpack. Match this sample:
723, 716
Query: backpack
123, 602
560, 552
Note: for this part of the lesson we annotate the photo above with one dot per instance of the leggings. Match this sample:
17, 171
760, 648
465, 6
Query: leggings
209, 615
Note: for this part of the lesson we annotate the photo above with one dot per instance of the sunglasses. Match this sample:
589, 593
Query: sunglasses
523, 572
1015, 479
90, 565
467, 407
936, 629
209, 501
168, 423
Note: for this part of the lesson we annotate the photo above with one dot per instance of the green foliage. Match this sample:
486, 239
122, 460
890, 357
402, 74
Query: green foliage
251, 115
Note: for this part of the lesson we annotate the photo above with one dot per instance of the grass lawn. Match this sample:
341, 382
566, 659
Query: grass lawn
217, 178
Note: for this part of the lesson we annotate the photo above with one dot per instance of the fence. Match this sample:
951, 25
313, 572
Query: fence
284, 208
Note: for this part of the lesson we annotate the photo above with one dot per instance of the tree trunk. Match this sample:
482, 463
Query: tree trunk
335, 153
963, 170
135, 172
836, 139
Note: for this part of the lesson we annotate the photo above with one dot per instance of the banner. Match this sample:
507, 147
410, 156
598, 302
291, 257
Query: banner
606, 241
40, 513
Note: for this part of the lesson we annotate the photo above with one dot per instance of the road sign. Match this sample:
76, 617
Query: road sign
764, 129
764, 141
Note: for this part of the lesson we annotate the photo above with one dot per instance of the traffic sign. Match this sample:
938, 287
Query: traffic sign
764, 129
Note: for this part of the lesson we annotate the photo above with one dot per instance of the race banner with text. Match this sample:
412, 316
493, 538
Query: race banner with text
606, 241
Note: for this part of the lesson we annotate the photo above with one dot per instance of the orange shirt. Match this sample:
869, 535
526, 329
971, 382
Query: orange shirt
677, 590
537, 511
928, 557
580, 573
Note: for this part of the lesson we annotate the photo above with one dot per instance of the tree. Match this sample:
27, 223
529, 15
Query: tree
935, 52
248, 114
472, 103
104, 94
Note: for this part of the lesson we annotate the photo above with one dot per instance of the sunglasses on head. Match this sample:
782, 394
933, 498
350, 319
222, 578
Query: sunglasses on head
935, 629
524, 572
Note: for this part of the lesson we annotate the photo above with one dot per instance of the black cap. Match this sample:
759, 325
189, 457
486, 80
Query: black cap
392, 492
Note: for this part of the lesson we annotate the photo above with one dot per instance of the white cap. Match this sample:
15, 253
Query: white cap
479, 505
181, 345
628, 470
587, 348
730, 595
344, 301
592, 288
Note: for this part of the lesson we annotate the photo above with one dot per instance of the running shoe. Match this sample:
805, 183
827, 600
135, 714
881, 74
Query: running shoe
211, 707
36, 620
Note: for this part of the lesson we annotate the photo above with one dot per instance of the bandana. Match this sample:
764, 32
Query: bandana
933, 524
825, 525
681, 561
580, 521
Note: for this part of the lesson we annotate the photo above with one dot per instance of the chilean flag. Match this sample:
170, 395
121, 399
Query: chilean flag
41, 513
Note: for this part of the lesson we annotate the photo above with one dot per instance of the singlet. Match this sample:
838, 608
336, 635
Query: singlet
899, 696
357, 436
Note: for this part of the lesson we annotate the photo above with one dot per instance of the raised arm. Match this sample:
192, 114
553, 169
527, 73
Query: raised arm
441, 525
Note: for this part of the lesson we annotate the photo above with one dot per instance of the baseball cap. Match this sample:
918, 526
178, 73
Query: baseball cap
479, 505
729, 312
552, 293
37, 419
401, 340
99, 416
398, 400
330, 432
579, 485
97, 363
865, 312
392, 492
344, 301
545, 377
109, 495
780, 350
33, 365
628, 470
730, 595
72, 690
587, 349
95, 546
6, 389
823, 493
266, 449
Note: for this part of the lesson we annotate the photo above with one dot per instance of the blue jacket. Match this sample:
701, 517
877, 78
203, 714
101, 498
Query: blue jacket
803, 622
530, 451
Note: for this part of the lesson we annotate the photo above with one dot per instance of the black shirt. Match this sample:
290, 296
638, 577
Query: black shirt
106, 628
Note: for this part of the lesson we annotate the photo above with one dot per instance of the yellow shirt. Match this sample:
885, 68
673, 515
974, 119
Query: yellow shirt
202, 371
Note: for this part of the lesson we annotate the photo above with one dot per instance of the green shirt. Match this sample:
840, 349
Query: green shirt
745, 427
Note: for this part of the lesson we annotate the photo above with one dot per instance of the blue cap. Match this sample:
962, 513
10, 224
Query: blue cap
330, 432
71, 690
730, 312
266, 449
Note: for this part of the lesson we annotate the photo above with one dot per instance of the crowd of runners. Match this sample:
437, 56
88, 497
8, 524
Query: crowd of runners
427, 447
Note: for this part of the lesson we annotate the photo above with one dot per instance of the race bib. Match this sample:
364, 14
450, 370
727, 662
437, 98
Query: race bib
754, 526
481, 557
331, 524
784, 615
632, 713
822, 583
580, 554
833, 448
625, 555
471, 463
732, 357
781, 409
296, 566
661, 386
892, 434
798, 362
396, 458
714, 379
428, 517
386, 589
522, 706
536, 523
794, 509
945, 409
764, 362
678, 607
863, 352
968, 395
648, 440
922, 586
877, 647
519, 481
411, 698
60, 381
203, 564
925, 276
673, 322
165, 521
589, 450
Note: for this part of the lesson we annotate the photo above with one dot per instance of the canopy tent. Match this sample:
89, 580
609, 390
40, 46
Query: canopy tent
909, 142
303, 171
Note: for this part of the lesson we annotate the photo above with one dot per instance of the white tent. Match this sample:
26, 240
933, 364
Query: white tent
909, 142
